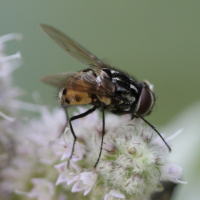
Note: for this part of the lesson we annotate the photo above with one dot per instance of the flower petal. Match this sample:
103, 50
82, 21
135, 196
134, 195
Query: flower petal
116, 193
77, 187
87, 190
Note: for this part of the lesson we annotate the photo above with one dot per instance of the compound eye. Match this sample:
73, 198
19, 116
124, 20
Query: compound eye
147, 100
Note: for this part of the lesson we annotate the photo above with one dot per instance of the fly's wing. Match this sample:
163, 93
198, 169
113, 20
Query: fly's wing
72, 47
82, 81
58, 80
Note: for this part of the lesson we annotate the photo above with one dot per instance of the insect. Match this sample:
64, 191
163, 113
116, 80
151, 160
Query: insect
102, 86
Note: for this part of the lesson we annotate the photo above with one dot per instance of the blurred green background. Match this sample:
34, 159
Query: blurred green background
154, 40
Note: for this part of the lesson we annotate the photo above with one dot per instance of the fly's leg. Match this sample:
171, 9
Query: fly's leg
72, 130
103, 133
134, 114
67, 117
155, 131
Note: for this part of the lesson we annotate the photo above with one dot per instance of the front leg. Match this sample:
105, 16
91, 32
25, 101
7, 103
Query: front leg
72, 130
103, 133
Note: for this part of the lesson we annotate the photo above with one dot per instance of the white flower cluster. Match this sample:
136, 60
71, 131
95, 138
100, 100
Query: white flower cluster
132, 165
7, 65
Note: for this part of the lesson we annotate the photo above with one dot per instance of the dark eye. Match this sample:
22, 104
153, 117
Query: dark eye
147, 100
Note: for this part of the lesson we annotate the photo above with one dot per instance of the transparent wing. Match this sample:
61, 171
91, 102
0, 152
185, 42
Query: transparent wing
58, 80
81, 81
72, 47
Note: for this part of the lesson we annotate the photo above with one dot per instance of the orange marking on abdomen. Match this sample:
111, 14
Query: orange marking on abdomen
77, 97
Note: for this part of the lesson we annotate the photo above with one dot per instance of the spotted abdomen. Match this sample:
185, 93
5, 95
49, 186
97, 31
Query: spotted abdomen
72, 97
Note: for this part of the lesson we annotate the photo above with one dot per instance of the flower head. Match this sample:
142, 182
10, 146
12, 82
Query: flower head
133, 163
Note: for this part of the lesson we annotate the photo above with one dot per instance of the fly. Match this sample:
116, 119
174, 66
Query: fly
101, 85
